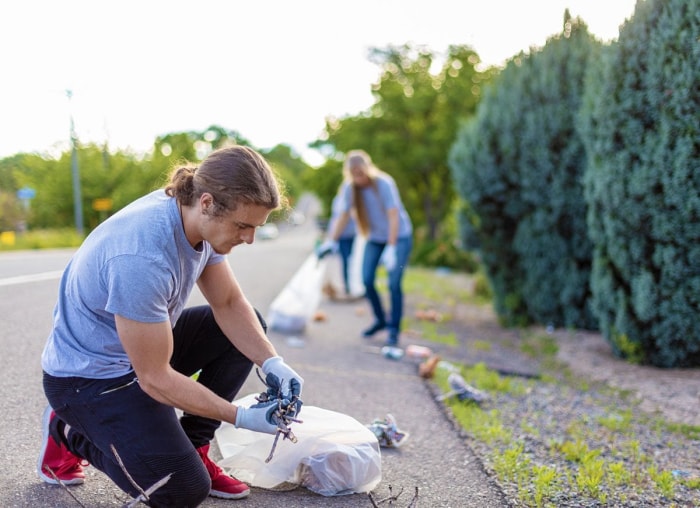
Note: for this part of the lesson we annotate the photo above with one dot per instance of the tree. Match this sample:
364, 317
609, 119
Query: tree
11, 213
518, 166
121, 177
193, 146
412, 124
640, 124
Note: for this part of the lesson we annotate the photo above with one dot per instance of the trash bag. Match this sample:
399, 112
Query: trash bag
334, 454
357, 287
294, 307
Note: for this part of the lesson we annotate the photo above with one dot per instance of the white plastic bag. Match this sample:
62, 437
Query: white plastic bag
334, 455
357, 287
292, 309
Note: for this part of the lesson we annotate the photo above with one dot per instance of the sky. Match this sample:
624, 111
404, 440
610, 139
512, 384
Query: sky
272, 70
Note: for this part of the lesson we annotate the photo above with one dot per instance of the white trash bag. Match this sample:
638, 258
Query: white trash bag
296, 304
334, 455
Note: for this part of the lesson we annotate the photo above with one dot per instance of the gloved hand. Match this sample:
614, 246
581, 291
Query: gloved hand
259, 417
388, 258
274, 389
285, 374
327, 247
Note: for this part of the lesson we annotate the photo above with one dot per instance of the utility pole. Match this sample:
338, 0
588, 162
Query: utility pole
77, 199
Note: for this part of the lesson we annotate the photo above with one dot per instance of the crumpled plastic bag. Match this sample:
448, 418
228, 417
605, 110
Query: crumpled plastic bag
294, 306
334, 455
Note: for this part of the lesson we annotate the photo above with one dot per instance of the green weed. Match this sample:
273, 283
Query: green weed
616, 422
663, 480
590, 478
618, 474
546, 483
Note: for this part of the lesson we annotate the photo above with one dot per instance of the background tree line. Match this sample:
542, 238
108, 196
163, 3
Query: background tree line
115, 175
571, 174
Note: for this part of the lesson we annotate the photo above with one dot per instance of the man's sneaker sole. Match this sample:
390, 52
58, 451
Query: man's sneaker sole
229, 495
45, 475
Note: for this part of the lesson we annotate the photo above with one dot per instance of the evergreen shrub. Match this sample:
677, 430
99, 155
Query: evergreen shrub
519, 166
641, 129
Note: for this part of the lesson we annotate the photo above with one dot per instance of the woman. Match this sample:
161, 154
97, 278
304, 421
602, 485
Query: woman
373, 199
346, 239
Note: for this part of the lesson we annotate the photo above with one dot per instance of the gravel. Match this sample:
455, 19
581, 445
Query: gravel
575, 414
548, 419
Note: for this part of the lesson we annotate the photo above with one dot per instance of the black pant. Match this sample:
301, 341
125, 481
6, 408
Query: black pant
146, 434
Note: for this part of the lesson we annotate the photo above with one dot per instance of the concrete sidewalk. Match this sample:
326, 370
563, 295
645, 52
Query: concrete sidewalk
346, 373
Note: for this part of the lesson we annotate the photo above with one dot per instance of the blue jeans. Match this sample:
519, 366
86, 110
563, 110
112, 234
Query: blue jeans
345, 249
370, 262
147, 434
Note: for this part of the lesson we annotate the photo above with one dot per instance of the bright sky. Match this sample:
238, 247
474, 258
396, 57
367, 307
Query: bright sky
272, 70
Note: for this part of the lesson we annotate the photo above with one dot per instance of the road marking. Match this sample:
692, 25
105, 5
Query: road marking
22, 279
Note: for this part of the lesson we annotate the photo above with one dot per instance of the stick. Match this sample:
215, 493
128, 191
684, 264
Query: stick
65, 487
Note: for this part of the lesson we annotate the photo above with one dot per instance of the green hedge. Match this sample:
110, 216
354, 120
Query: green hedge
641, 128
519, 165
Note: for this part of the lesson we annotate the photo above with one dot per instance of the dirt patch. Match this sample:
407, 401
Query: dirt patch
672, 393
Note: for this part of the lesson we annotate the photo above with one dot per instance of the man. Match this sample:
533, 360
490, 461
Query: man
123, 348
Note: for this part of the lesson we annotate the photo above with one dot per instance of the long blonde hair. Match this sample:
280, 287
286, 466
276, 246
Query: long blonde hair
360, 159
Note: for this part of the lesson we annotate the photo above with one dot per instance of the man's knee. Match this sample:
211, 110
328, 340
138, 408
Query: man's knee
188, 481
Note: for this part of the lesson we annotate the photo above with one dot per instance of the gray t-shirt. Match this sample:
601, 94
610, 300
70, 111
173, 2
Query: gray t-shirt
377, 202
349, 230
137, 264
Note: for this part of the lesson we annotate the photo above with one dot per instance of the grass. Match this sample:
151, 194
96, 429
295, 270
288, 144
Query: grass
40, 239
432, 286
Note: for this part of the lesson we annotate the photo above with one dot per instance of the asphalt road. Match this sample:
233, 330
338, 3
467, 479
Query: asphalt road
343, 373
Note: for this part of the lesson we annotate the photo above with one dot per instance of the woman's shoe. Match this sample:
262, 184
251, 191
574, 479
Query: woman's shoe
392, 340
376, 327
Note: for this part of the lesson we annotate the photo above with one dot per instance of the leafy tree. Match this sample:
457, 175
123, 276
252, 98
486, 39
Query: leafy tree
324, 182
52, 206
413, 122
11, 212
640, 124
193, 146
176, 148
518, 166
290, 168
119, 176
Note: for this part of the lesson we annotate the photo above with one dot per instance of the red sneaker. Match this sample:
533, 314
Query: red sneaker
55, 457
222, 485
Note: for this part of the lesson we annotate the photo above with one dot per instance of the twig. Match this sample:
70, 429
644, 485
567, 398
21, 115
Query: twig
65, 487
128, 476
143, 495
148, 492
282, 414
414, 501
391, 498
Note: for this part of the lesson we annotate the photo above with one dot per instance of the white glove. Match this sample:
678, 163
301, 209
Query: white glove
258, 417
327, 247
389, 257
275, 365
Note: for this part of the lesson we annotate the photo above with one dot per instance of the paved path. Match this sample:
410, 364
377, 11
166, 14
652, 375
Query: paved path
343, 373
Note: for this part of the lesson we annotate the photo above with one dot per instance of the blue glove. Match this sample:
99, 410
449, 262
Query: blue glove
389, 257
285, 374
259, 417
